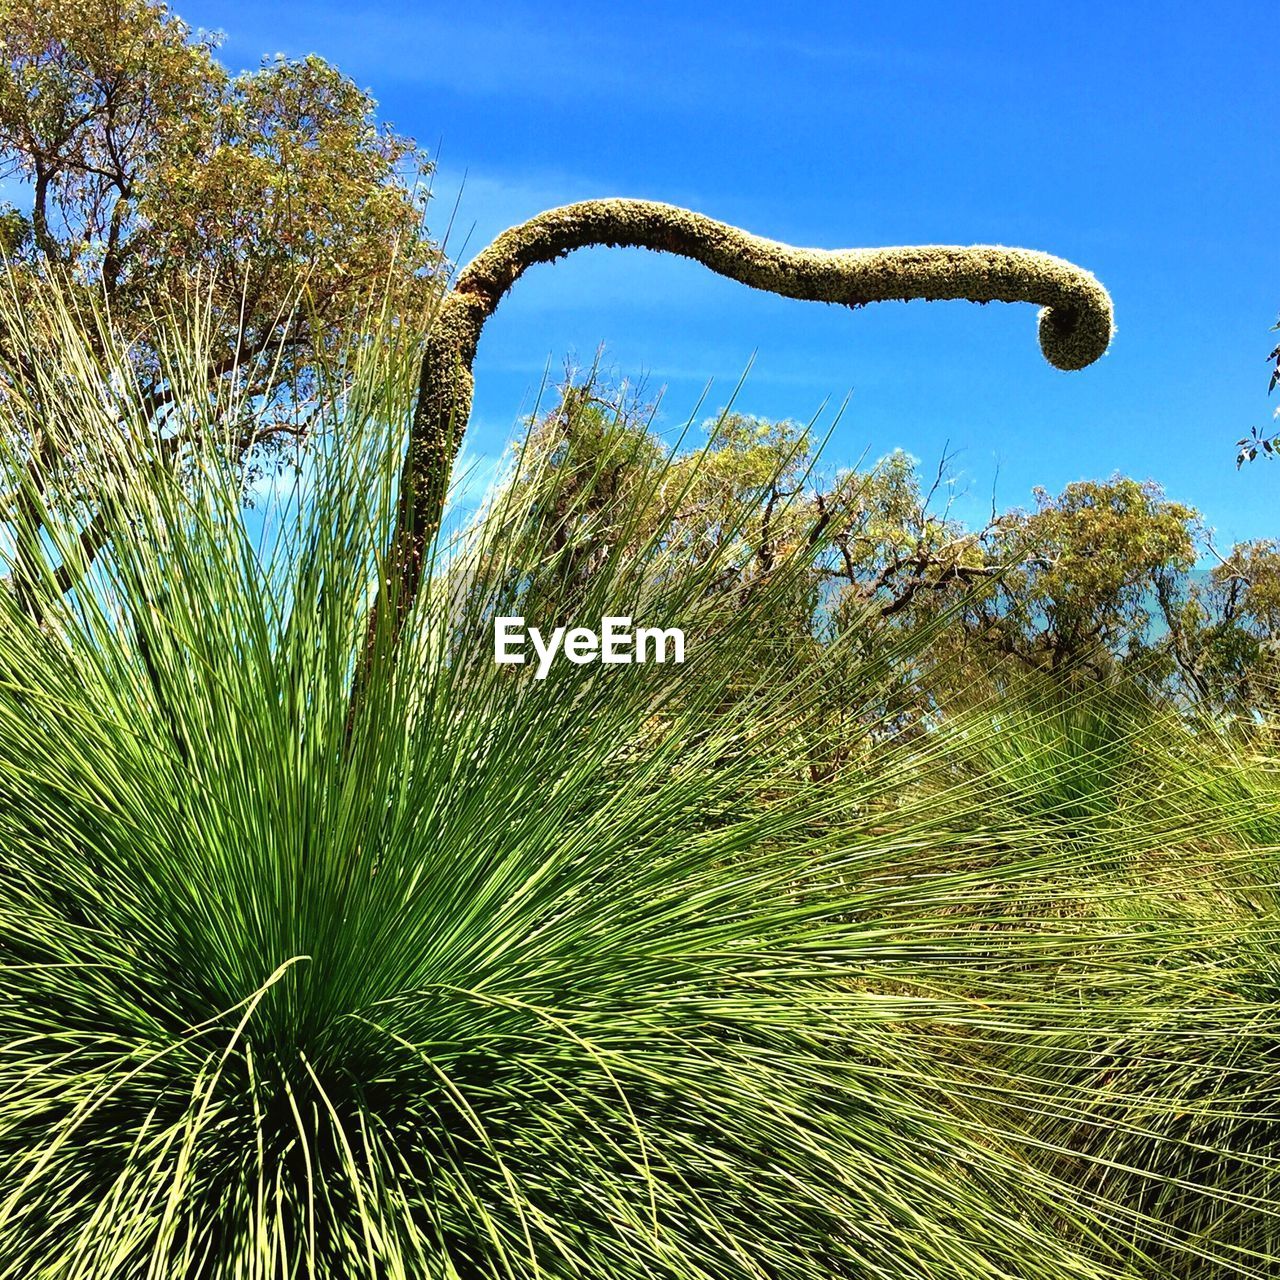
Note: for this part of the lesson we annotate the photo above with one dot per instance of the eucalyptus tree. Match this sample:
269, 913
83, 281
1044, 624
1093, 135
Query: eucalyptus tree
152, 185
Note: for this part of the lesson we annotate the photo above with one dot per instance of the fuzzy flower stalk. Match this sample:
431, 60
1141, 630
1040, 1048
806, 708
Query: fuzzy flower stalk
1075, 320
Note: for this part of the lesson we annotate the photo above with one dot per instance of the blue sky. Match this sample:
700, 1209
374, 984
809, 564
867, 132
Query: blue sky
1134, 139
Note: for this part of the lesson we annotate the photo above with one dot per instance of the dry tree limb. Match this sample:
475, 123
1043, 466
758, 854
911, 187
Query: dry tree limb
1075, 323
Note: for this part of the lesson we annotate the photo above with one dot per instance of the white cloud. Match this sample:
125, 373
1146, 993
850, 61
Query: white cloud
469, 209
475, 476
488, 203
488, 50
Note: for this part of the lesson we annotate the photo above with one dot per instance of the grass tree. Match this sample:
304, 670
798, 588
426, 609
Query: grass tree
500, 978
495, 977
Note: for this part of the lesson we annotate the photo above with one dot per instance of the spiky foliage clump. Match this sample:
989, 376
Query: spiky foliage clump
475, 975
1141, 1062
478, 975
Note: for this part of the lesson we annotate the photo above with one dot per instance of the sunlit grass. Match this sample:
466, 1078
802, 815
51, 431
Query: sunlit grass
480, 975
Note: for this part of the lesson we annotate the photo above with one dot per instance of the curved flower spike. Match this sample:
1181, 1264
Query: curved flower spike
1075, 323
